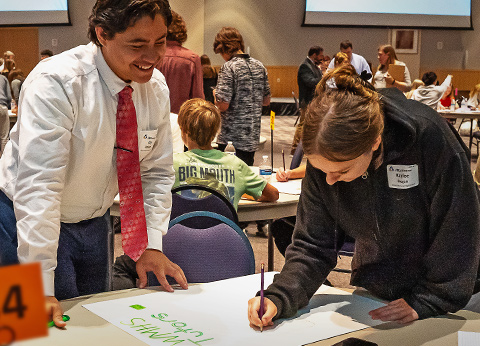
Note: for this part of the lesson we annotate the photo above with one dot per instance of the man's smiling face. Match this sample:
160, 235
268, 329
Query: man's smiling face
133, 54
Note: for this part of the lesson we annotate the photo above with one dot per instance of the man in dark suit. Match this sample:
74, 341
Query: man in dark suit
309, 74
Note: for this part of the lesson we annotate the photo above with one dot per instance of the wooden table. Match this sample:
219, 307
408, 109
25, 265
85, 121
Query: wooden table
463, 114
86, 328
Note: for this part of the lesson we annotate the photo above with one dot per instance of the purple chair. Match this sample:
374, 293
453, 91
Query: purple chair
185, 200
207, 254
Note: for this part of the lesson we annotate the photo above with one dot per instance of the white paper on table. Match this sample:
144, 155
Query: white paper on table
468, 338
216, 314
292, 187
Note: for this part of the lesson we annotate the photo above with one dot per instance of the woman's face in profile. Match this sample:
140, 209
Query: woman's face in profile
345, 170
382, 57
341, 171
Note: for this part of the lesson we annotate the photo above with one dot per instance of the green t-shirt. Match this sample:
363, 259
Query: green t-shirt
233, 175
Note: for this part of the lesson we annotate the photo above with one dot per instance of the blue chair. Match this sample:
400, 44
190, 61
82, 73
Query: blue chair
207, 254
185, 199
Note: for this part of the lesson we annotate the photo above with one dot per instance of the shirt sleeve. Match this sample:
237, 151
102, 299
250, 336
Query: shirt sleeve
311, 256
408, 80
266, 84
224, 89
158, 176
254, 184
46, 121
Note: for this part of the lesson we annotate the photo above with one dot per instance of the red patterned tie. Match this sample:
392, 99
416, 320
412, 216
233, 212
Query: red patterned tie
132, 213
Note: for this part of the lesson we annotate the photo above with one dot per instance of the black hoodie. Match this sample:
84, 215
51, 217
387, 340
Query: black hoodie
420, 243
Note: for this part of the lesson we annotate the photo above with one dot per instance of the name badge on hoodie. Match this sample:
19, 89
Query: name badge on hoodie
402, 176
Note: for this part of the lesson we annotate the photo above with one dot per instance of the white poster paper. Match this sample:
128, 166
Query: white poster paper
216, 314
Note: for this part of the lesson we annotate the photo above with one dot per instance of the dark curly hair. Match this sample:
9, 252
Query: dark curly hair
116, 16
177, 30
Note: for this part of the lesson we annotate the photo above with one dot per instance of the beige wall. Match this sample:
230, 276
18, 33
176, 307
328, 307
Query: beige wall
192, 12
272, 31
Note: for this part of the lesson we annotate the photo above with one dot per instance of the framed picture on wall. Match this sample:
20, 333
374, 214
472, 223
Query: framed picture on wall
405, 41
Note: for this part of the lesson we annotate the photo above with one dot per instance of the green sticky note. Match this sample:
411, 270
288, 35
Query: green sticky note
137, 307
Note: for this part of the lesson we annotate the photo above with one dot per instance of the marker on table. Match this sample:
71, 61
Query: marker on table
283, 157
65, 318
262, 299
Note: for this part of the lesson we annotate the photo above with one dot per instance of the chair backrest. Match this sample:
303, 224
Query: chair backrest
184, 200
297, 156
215, 253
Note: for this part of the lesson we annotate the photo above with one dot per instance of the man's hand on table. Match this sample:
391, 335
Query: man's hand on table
160, 265
54, 311
397, 311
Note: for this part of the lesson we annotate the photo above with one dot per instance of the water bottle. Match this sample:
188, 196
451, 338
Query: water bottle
265, 168
230, 149
452, 105
463, 105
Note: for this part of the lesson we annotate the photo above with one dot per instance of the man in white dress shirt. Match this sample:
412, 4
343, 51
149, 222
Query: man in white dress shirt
59, 172
357, 61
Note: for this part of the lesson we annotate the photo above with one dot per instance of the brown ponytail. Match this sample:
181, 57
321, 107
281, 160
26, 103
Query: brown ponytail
343, 123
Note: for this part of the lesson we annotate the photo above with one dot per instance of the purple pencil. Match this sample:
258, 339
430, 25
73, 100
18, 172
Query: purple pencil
261, 311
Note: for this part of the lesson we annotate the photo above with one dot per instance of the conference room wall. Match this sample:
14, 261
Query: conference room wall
273, 33
272, 30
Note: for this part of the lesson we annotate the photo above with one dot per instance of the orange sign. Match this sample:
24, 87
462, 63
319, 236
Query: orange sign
22, 303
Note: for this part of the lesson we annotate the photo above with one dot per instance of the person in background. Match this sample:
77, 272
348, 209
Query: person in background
181, 66
447, 99
5, 102
415, 84
210, 77
307, 78
430, 94
16, 79
58, 173
8, 67
473, 99
324, 64
382, 79
46, 53
357, 61
8, 55
242, 90
367, 151
199, 121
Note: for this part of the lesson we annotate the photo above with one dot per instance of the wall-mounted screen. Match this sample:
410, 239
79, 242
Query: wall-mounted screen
390, 13
33, 12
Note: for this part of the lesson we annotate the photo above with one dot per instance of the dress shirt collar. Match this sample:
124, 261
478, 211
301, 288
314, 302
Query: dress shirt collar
114, 83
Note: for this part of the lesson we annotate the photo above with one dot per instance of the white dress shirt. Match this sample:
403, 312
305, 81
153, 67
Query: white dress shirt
358, 62
60, 164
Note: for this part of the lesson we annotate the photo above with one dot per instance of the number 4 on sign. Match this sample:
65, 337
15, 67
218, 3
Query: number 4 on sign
22, 303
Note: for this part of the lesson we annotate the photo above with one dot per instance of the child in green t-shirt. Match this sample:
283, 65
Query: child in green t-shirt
199, 122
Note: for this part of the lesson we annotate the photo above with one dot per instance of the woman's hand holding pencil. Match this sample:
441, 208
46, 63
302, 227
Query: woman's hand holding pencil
283, 175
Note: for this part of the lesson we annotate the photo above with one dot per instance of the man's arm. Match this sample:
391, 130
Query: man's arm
269, 194
306, 76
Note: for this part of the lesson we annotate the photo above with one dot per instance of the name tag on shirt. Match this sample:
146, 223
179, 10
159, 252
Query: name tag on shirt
147, 140
402, 176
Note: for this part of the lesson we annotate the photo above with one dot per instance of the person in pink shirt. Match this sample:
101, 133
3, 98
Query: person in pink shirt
181, 66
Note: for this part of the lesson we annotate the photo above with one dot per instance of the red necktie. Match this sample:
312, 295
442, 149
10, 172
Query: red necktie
132, 212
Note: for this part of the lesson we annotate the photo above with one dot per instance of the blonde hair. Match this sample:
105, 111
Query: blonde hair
474, 91
343, 123
340, 58
199, 120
